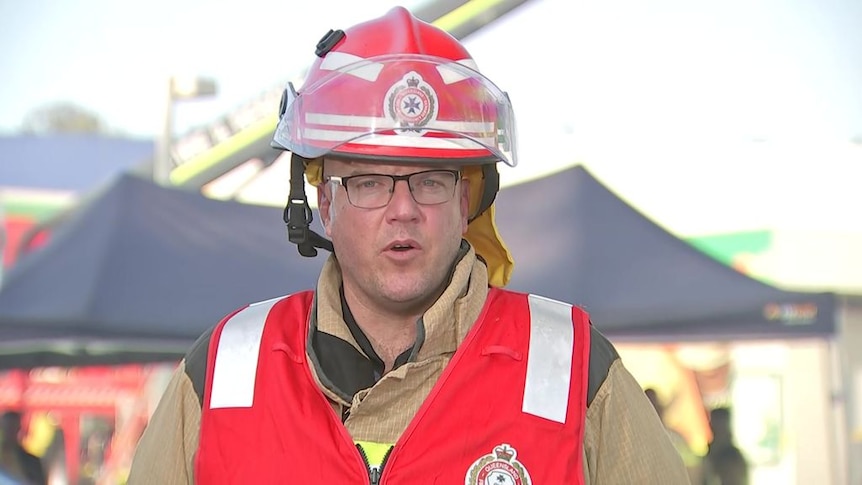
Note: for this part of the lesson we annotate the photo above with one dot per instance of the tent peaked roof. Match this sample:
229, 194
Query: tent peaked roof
139, 271
574, 240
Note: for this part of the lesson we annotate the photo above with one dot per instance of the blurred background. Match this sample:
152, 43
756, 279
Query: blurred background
690, 169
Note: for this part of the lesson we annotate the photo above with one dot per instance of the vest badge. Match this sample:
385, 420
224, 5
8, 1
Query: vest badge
498, 468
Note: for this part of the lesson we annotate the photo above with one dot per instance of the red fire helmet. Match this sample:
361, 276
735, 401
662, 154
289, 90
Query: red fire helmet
397, 88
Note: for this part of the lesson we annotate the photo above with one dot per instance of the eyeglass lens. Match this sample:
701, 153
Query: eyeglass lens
371, 191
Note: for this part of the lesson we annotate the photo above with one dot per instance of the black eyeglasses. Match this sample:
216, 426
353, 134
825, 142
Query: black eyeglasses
374, 190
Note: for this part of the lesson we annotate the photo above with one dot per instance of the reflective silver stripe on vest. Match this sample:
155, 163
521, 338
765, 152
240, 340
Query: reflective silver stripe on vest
549, 361
236, 358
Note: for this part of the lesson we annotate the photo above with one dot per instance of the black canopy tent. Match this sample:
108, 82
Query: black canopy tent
574, 240
138, 271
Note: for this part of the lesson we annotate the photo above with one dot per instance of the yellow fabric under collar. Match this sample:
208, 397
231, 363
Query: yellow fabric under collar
482, 231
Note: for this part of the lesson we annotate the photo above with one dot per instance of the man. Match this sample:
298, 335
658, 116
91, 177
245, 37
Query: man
408, 364
724, 463
15, 461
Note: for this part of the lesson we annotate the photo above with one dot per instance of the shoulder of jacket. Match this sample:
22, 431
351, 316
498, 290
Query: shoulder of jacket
197, 357
196, 360
602, 352
602, 356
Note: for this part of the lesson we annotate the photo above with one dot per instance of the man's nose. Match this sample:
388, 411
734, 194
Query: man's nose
402, 203
404, 190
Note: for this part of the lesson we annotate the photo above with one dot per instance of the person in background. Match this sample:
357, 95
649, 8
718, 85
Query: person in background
409, 363
16, 461
724, 463
691, 459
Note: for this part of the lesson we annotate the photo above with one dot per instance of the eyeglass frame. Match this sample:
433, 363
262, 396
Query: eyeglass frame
343, 180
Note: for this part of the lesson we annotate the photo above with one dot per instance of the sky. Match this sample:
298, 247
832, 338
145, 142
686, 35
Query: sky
113, 57
708, 116
769, 68
692, 109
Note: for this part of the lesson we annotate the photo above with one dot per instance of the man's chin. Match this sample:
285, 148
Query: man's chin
407, 291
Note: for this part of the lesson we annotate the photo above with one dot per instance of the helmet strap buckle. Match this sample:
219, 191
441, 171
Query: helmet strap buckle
298, 215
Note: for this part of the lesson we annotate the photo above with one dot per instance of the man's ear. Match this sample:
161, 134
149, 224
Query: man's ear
324, 205
465, 204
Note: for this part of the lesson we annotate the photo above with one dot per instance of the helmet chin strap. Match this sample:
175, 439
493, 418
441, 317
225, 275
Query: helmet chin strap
298, 215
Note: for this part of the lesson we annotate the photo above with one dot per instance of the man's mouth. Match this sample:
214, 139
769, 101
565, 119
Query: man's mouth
401, 246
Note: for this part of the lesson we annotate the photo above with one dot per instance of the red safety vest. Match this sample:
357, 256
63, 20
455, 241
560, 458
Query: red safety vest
508, 408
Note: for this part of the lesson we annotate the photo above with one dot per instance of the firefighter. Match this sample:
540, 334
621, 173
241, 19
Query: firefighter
408, 363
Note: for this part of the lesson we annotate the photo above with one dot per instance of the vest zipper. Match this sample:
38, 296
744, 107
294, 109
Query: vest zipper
374, 472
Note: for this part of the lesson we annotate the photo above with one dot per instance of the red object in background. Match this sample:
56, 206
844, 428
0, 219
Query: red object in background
16, 229
70, 394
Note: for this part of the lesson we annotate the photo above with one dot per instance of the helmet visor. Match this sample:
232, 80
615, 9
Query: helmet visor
406, 107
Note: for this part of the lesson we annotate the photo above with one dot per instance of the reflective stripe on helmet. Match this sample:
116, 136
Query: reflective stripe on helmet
451, 75
350, 121
343, 128
549, 359
336, 60
458, 143
370, 70
236, 359
424, 142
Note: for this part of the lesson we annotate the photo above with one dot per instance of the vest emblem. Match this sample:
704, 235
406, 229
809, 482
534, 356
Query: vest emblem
498, 468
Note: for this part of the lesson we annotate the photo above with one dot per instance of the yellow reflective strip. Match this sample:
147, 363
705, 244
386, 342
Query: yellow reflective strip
464, 13
226, 148
374, 451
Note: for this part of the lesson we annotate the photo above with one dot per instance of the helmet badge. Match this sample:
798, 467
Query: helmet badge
411, 104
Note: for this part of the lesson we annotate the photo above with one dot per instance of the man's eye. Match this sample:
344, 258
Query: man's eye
366, 183
434, 182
